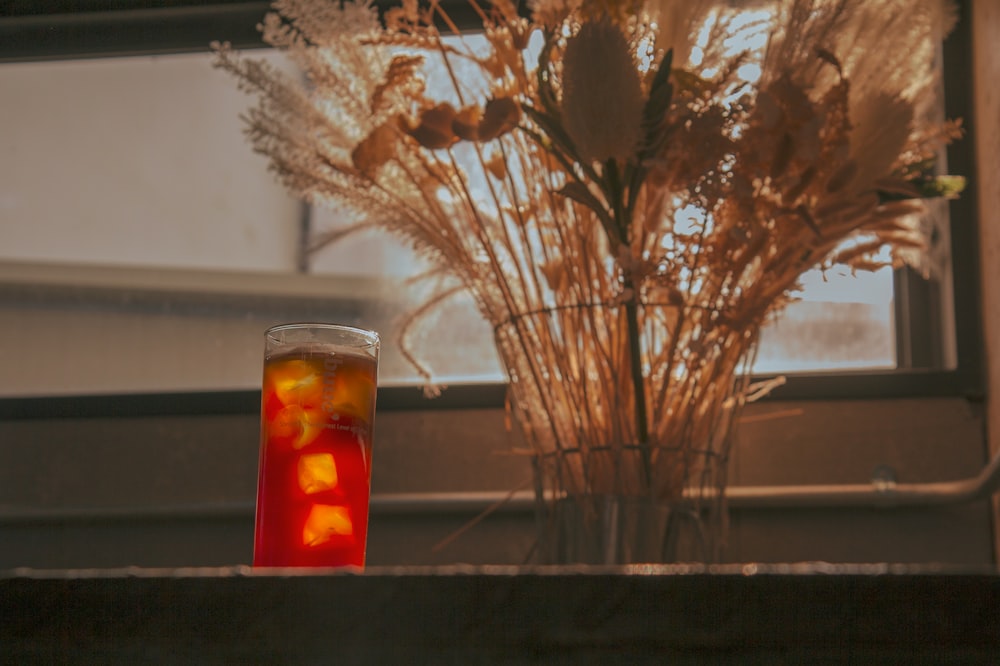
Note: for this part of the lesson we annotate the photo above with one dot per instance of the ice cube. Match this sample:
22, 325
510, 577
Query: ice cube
350, 389
317, 472
297, 382
326, 522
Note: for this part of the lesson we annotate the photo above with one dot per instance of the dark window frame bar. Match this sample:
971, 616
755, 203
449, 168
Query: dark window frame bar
33, 30
402, 398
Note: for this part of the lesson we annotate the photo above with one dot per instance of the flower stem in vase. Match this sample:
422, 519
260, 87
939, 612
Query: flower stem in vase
639, 388
615, 191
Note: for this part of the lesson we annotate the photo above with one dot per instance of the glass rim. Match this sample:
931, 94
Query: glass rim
371, 338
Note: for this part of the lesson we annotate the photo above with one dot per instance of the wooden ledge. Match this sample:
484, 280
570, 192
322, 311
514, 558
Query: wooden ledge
755, 613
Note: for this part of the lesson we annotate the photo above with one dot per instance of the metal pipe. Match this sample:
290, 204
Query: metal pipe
875, 494
878, 494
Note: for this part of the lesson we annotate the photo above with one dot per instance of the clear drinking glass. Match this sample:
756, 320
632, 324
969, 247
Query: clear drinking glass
314, 474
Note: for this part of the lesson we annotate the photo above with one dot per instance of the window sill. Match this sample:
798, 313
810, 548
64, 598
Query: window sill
44, 279
730, 614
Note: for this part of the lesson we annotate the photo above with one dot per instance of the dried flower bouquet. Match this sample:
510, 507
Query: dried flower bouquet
628, 189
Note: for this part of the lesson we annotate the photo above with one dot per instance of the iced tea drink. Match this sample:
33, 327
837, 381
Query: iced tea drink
317, 411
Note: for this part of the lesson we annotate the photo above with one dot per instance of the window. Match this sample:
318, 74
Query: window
154, 178
178, 303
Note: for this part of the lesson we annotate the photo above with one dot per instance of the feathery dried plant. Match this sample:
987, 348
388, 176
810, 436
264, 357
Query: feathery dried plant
628, 188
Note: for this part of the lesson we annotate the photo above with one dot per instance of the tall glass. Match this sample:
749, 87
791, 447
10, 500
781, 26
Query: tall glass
314, 478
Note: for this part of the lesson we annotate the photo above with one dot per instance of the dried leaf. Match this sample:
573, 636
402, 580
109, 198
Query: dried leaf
434, 130
496, 166
555, 274
896, 188
499, 117
858, 251
782, 155
842, 177
465, 125
578, 192
899, 209
375, 150
806, 216
654, 114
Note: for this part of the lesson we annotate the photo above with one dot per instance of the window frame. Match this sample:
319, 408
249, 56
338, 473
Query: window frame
32, 30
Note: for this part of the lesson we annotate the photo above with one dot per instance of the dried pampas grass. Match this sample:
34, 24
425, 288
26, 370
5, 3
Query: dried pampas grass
627, 189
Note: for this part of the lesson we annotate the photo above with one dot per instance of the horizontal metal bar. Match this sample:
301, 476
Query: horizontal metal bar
14, 515
870, 495
875, 494
240, 402
55, 280
878, 494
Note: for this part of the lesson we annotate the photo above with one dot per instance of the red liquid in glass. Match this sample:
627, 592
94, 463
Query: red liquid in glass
317, 409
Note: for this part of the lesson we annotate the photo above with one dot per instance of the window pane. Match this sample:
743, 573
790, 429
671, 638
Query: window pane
451, 340
840, 322
142, 162
135, 161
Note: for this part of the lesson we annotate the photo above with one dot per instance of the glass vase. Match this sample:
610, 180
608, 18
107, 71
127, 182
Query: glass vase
628, 409
620, 530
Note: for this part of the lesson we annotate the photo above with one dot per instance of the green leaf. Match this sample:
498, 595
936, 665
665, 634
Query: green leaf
948, 187
927, 187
